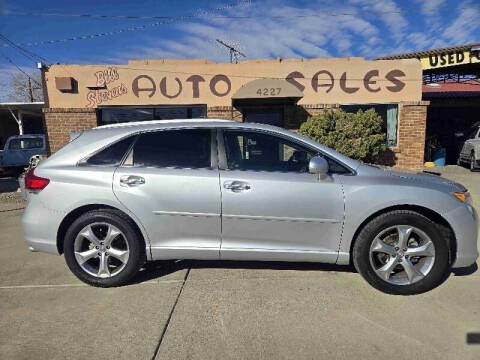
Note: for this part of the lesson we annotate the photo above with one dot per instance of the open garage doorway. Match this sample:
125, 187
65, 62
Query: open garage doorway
449, 122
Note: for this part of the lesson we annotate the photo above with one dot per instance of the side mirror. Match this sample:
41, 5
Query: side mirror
318, 165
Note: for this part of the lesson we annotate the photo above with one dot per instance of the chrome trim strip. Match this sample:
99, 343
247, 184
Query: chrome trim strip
245, 217
279, 218
184, 213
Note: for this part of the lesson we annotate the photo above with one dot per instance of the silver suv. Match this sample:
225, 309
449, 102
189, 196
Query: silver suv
118, 196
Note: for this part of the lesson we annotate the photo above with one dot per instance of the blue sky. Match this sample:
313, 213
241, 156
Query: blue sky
266, 29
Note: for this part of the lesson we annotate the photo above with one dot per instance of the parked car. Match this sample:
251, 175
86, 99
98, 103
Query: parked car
470, 152
19, 149
120, 195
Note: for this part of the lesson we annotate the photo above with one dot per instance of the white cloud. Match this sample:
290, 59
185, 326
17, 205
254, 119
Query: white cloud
466, 26
285, 31
386, 11
284, 28
429, 7
419, 40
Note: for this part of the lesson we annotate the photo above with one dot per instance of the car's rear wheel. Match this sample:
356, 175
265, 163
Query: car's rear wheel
102, 248
402, 252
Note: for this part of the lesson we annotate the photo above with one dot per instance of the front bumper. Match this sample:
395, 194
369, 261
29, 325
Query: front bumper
465, 224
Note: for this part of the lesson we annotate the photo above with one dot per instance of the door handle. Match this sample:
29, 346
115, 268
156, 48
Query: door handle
131, 180
236, 186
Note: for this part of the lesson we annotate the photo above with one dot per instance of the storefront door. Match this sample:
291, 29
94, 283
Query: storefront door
270, 116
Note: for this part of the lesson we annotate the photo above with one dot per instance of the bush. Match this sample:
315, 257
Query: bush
359, 136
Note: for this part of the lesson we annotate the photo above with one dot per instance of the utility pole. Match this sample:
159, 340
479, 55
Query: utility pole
30, 90
234, 52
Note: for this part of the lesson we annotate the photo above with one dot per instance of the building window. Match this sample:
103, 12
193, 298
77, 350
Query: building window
115, 115
389, 114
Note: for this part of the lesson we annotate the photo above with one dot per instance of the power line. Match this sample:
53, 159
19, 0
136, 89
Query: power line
162, 17
166, 20
27, 53
20, 69
171, 19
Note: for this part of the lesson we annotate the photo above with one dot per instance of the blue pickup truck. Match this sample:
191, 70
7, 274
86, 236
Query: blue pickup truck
19, 149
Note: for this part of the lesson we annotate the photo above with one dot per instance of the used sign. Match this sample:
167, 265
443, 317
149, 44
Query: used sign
449, 59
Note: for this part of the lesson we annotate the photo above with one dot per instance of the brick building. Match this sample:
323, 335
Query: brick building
451, 84
282, 92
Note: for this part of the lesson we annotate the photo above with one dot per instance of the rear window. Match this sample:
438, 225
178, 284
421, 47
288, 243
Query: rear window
26, 144
111, 155
189, 148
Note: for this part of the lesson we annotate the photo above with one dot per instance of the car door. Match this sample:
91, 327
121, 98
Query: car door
170, 181
272, 207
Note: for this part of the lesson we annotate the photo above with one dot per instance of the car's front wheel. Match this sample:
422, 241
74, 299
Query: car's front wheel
102, 248
402, 252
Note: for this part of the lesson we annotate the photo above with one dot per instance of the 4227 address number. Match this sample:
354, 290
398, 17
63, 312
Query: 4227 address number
269, 91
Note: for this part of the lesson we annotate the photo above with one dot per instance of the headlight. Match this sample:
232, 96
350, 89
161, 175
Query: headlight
464, 197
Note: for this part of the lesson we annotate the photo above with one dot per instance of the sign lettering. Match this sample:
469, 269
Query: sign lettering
450, 59
323, 81
105, 77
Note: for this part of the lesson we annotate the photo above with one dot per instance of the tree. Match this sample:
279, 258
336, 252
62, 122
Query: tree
26, 88
357, 135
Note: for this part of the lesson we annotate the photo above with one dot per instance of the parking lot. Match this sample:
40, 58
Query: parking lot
227, 310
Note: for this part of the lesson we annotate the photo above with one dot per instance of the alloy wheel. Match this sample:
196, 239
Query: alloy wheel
101, 250
402, 255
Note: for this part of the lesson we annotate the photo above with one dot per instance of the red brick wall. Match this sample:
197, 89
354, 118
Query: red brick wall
60, 122
412, 124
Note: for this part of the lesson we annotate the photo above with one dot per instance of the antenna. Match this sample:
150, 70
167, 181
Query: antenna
234, 52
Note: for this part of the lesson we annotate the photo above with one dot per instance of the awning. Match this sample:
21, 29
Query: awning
268, 89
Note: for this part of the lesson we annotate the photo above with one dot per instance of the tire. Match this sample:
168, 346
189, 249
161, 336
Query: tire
369, 261
126, 246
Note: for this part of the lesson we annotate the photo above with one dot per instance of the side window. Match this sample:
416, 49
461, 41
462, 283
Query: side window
336, 168
189, 148
15, 144
111, 155
262, 152
249, 150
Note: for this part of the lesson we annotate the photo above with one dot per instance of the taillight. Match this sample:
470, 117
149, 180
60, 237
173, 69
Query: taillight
33, 182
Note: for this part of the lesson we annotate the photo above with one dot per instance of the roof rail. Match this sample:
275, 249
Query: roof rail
153, 122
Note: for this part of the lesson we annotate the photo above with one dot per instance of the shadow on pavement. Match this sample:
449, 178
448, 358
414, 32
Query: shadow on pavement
156, 269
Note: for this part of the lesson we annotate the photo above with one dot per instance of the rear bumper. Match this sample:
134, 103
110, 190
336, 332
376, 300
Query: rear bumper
464, 222
40, 225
